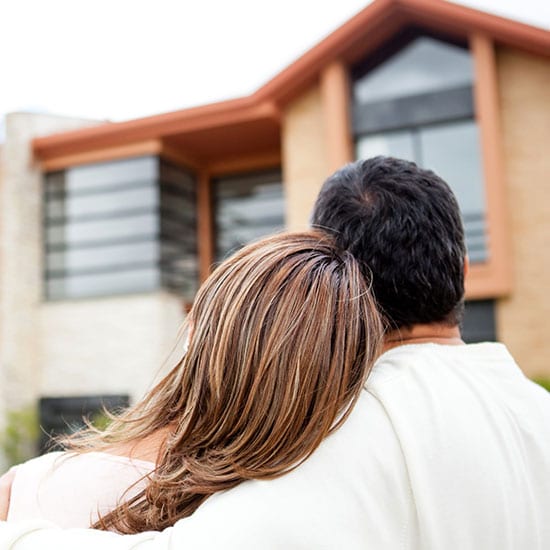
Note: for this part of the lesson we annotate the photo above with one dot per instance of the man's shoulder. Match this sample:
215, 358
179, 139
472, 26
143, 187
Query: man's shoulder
330, 500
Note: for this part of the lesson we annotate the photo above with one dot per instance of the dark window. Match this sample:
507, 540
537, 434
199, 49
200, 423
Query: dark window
178, 231
418, 105
120, 227
246, 207
65, 415
479, 322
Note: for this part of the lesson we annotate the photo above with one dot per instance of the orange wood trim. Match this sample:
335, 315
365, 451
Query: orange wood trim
205, 225
359, 36
178, 157
364, 32
245, 164
483, 283
235, 111
335, 98
448, 16
494, 278
149, 147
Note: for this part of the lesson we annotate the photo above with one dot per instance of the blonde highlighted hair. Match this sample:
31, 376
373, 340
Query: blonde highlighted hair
284, 334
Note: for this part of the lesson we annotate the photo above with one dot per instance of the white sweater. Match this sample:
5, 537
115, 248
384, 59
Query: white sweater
448, 448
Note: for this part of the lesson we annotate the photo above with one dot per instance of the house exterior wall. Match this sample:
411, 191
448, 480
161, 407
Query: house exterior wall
63, 348
304, 156
112, 345
524, 93
21, 255
522, 318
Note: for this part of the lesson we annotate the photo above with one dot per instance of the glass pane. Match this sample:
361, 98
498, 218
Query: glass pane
88, 232
179, 209
98, 284
104, 224
179, 254
453, 151
390, 144
175, 176
424, 65
110, 174
103, 204
96, 177
247, 208
104, 256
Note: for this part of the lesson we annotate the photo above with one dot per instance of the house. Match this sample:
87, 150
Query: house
107, 229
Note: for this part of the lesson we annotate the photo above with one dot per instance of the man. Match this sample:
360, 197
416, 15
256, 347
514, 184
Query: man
448, 447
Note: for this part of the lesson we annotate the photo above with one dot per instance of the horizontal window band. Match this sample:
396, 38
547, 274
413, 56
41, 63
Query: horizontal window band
478, 258
169, 189
162, 237
413, 128
241, 224
187, 217
473, 216
417, 110
476, 250
89, 218
255, 178
65, 194
475, 233
65, 274
120, 214
173, 189
232, 196
136, 239
58, 266
59, 275
170, 251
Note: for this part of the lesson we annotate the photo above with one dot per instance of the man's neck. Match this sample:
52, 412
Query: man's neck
423, 334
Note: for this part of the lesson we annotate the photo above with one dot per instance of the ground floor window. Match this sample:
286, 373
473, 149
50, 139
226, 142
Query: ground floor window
479, 322
246, 207
65, 415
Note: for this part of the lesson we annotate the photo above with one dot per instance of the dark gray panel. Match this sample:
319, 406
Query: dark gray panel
416, 110
65, 415
479, 322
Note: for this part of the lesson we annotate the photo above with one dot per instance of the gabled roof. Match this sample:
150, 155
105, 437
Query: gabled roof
258, 114
382, 19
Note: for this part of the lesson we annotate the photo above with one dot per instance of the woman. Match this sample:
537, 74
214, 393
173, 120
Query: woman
282, 337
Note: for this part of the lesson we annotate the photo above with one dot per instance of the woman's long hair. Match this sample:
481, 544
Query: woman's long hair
284, 334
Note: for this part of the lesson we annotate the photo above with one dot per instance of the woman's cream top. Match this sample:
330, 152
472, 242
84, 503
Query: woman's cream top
72, 490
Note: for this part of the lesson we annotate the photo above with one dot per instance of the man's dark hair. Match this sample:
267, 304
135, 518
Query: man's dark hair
403, 224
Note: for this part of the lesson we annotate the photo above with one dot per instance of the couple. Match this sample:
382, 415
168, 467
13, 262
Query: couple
266, 436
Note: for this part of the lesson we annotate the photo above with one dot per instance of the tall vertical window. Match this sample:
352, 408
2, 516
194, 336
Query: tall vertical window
120, 227
418, 105
246, 207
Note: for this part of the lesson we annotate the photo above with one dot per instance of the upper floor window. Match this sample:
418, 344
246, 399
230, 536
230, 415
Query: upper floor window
418, 105
120, 227
246, 207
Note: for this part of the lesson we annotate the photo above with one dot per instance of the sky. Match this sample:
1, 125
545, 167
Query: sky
122, 59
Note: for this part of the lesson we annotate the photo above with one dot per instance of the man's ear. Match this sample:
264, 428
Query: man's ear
466, 265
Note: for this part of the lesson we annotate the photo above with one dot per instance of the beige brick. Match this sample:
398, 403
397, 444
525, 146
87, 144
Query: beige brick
305, 164
524, 82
